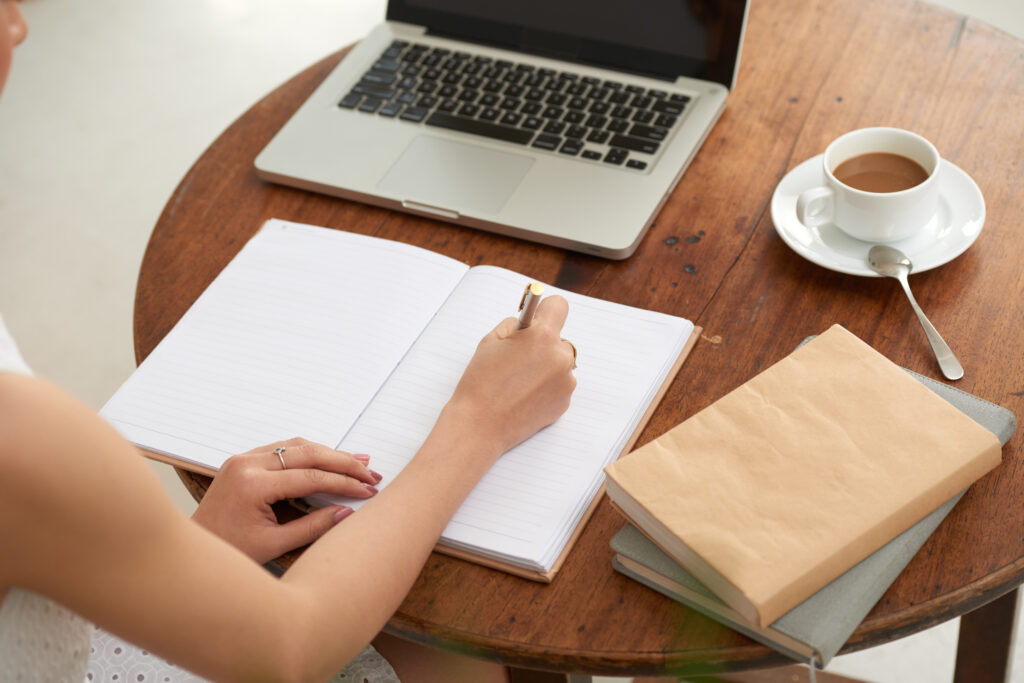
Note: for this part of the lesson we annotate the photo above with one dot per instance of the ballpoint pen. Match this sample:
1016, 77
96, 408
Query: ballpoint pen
528, 304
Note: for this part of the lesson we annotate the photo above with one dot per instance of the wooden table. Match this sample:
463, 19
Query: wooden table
810, 71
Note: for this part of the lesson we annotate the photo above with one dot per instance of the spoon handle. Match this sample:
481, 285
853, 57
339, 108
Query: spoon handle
948, 363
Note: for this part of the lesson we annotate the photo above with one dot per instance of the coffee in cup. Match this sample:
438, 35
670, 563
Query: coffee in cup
881, 185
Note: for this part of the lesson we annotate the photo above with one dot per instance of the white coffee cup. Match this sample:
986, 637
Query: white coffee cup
873, 216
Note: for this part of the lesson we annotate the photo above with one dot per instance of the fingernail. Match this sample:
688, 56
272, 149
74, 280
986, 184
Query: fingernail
377, 476
369, 488
341, 513
361, 457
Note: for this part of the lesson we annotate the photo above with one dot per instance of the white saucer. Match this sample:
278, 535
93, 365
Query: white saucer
955, 226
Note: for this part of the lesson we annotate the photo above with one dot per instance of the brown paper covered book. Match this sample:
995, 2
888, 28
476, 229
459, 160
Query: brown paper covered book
786, 482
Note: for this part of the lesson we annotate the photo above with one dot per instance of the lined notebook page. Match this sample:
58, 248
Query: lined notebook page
529, 503
293, 338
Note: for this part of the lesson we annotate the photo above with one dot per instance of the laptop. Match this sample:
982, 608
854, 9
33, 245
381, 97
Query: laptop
564, 122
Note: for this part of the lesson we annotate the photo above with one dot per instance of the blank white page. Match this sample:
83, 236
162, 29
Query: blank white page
293, 338
528, 504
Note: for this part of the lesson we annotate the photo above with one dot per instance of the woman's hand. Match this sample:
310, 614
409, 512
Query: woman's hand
518, 381
237, 506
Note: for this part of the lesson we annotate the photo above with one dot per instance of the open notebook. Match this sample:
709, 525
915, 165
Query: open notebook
357, 342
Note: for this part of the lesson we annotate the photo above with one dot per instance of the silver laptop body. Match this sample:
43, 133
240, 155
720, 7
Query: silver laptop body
353, 138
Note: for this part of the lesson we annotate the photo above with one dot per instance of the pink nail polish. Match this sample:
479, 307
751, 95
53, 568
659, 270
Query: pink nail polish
361, 457
369, 488
377, 476
341, 513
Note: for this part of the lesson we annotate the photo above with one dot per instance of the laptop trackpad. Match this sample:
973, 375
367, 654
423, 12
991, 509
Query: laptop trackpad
455, 176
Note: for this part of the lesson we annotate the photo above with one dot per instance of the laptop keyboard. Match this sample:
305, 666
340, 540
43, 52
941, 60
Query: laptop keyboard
557, 111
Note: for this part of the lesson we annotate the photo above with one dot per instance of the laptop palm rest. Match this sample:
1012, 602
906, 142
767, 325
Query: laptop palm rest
443, 176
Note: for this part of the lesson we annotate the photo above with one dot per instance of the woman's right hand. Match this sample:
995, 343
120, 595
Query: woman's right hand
518, 381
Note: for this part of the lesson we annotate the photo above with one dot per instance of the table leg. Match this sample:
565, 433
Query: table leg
983, 649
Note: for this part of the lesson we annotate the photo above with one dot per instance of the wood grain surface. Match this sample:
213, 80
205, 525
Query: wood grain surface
809, 72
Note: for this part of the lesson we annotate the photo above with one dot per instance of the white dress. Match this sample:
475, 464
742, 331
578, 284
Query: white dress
43, 642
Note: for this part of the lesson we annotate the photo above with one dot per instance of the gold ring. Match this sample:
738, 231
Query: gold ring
573, 347
279, 452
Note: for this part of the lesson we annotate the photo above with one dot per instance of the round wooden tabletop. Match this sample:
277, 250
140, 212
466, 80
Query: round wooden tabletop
809, 72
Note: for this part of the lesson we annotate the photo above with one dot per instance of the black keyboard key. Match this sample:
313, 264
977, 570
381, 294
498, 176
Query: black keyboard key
635, 144
635, 89
554, 127
576, 89
642, 102
415, 114
489, 114
379, 78
595, 121
532, 108
668, 107
427, 102
676, 97
599, 136
578, 132
473, 83
407, 83
387, 65
591, 154
549, 142
390, 109
447, 91
493, 86
535, 95
427, 87
350, 101
469, 110
655, 133
578, 103
612, 85
552, 113
510, 118
468, 95
616, 156
451, 78
406, 97
489, 100
371, 104
666, 120
474, 127
599, 108
643, 116
618, 126
622, 112
574, 116
532, 123
660, 94
432, 74
556, 99
571, 147
598, 94
514, 91
637, 164
619, 97
374, 90
448, 106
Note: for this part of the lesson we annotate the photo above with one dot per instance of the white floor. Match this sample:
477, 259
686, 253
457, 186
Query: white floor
109, 103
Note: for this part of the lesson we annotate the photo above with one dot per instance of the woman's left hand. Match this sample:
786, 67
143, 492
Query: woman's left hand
237, 506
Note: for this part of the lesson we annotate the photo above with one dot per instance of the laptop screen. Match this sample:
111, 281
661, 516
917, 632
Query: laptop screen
661, 38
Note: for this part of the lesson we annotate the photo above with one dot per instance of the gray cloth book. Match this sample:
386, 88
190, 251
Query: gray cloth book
818, 627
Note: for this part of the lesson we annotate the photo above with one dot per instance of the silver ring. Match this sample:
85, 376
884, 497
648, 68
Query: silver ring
279, 452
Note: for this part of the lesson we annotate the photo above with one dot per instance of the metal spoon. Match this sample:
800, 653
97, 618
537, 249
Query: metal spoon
894, 263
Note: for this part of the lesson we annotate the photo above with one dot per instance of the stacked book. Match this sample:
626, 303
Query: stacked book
787, 508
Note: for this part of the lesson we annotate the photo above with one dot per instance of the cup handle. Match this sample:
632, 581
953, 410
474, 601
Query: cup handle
815, 206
